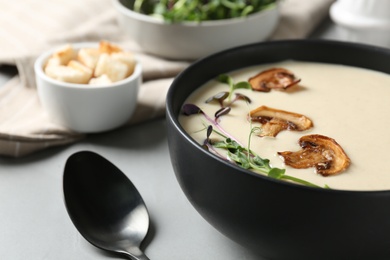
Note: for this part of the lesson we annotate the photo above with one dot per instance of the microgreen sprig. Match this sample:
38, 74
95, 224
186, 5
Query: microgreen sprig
222, 96
191, 109
223, 78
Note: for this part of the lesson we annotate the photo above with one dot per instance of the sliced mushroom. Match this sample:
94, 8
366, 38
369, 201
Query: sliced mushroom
274, 120
275, 78
318, 151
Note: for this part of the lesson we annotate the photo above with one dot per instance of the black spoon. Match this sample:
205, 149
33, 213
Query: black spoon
104, 205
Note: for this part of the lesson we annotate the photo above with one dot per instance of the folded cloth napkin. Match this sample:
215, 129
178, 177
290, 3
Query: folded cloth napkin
32, 26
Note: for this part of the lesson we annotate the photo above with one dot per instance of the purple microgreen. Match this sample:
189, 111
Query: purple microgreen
191, 109
242, 97
206, 146
220, 97
239, 96
222, 111
209, 131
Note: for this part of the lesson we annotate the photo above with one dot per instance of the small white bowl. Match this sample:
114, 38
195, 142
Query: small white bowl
87, 108
193, 40
365, 21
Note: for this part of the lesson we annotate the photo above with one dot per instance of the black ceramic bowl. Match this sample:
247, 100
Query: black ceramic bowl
278, 220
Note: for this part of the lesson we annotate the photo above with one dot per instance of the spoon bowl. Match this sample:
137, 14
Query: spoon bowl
104, 205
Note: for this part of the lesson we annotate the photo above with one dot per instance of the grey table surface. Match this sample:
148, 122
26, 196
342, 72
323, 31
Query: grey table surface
34, 223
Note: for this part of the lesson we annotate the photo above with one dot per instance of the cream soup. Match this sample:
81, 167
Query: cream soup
345, 103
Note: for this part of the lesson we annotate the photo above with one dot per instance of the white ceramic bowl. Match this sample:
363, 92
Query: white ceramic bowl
366, 21
192, 40
86, 108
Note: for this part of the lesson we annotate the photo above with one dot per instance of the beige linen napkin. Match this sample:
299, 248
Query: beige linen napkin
29, 27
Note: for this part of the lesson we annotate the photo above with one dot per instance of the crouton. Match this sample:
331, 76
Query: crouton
127, 58
106, 47
67, 74
115, 70
103, 65
88, 57
101, 80
79, 66
53, 61
64, 54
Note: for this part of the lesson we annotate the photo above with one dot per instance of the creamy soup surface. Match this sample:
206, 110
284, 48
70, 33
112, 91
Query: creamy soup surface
345, 103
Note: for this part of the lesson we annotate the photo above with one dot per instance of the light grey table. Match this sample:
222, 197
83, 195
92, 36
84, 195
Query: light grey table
34, 223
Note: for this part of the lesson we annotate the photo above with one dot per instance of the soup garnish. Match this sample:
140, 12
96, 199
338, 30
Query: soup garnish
318, 151
236, 152
275, 120
274, 78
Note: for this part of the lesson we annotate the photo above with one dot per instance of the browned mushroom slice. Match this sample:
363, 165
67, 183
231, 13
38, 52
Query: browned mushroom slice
274, 120
275, 78
318, 151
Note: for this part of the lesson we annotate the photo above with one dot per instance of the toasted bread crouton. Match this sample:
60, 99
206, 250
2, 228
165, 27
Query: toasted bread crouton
106, 47
53, 61
101, 80
88, 57
79, 66
64, 54
107, 63
67, 74
127, 58
115, 70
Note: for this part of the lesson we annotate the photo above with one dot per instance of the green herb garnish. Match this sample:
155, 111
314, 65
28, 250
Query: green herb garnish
223, 78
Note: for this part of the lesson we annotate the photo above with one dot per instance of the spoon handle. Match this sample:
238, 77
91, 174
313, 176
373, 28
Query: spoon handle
136, 254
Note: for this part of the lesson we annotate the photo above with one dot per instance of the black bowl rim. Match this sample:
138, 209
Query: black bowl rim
170, 113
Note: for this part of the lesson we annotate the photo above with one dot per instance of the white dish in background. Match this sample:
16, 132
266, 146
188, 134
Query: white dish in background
87, 108
366, 21
192, 40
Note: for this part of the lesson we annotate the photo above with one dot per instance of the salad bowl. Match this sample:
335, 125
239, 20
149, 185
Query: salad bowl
192, 40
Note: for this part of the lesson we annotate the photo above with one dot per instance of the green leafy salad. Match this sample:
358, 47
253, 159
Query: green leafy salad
200, 10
